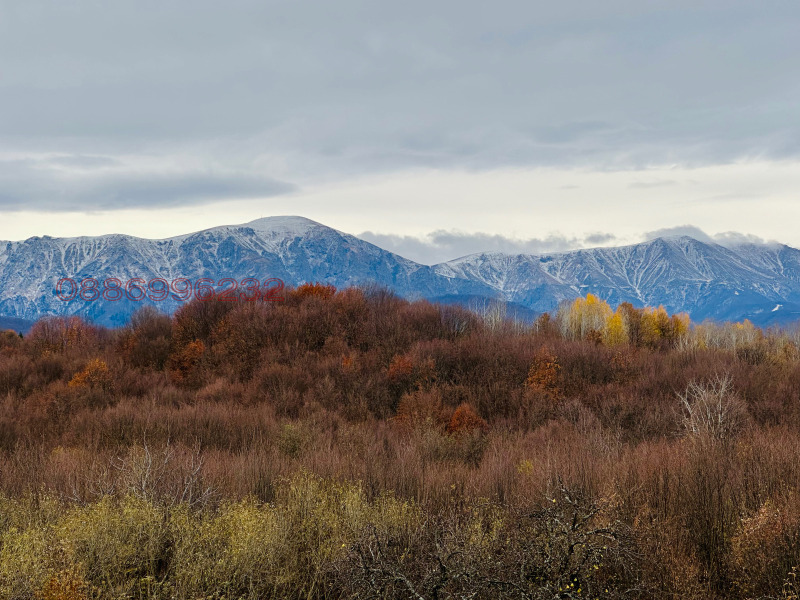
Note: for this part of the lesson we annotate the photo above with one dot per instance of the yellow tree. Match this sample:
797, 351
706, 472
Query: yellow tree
655, 324
680, 325
584, 316
616, 332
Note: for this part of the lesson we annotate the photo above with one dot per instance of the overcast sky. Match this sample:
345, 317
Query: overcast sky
432, 128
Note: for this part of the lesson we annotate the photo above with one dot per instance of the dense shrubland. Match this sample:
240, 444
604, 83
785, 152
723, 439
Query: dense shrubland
350, 444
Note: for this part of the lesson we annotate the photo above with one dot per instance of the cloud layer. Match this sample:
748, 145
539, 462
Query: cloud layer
252, 94
78, 182
441, 246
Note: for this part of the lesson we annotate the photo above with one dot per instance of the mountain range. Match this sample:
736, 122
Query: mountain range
704, 279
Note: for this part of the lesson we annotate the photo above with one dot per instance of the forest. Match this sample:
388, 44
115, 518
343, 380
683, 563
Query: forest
350, 444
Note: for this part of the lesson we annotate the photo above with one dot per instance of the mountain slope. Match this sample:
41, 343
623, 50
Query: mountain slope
759, 282
14, 324
293, 249
704, 279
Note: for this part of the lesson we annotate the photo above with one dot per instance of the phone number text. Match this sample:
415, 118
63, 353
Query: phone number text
181, 289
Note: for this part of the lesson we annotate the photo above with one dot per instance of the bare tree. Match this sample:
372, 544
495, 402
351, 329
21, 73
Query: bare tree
712, 408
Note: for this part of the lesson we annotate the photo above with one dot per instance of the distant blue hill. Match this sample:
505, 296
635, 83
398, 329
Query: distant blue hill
14, 324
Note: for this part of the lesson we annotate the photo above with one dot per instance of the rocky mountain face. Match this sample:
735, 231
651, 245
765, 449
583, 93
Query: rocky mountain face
292, 249
706, 280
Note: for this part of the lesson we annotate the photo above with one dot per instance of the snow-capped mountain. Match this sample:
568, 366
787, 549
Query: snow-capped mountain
707, 280
293, 249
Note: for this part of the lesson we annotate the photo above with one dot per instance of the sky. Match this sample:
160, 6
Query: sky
432, 129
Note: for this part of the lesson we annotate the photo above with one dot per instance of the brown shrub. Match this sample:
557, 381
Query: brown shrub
313, 384
59, 334
68, 584
145, 343
9, 341
766, 547
401, 367
423, 409
197, 320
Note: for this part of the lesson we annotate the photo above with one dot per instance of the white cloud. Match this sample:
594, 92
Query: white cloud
516, 205
441, 246
679, 230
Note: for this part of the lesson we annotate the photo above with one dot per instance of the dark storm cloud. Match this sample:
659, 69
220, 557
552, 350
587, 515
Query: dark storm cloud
353, 87
441, 246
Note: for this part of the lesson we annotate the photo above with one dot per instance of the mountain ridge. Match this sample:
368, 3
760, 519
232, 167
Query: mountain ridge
703, 278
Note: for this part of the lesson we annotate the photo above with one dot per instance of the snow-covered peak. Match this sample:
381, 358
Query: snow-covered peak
286, 225
676, 239
270, 228
495, 257
273, 231
701, 277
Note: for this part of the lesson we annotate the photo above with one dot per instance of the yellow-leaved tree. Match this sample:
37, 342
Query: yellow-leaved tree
584, 317
615, 332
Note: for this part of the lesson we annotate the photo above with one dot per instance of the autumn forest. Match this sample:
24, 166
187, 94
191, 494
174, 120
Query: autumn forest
349, 444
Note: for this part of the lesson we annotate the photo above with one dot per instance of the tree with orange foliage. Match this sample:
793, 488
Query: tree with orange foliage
314, 290
183, 363
466, 420
404, 374
544, 375
94, 374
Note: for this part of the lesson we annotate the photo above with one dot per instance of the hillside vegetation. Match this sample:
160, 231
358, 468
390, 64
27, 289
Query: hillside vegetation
350, 444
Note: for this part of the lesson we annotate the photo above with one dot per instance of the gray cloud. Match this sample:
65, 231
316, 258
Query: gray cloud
734, 238
441, 246
89, 184
335, 89
81, 161
600, 239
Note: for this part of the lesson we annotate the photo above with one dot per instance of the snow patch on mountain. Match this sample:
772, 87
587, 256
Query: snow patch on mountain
703, 278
